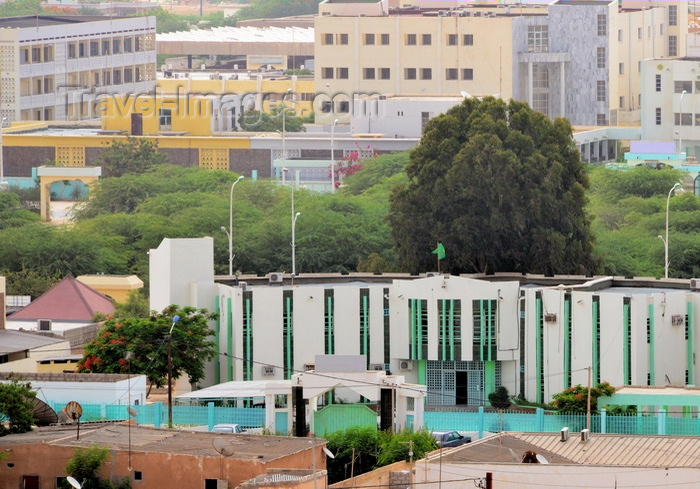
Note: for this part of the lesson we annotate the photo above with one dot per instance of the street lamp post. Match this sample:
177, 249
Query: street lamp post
333, 156
3, 183
294, 252
170, 372
680, 129
229, 233
668, 202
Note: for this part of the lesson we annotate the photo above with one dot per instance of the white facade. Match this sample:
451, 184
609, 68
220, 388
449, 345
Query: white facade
53, 68
26, 361
94, 391
461, 337
668, 113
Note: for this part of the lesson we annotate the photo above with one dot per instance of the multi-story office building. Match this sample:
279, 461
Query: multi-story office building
577, 59
54, 68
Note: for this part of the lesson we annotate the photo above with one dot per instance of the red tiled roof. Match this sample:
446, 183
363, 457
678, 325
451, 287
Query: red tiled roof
68, 300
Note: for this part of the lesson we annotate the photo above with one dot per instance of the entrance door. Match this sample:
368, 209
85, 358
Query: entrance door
461, 387
30, 482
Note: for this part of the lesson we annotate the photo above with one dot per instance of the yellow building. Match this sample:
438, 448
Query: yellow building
579, 60
117, 287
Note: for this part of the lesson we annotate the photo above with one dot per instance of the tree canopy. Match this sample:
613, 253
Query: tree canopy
146, 338
501, 186
132, 156
16, 405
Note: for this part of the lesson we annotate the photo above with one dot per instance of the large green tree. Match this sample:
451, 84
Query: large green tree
133, 155
501, 187
16, 405
146, 339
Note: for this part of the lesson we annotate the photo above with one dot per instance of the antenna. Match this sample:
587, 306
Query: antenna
225, 449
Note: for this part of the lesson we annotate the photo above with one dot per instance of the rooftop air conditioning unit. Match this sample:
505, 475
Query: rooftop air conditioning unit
377, 366
695, 284
276, 278
309, 367
443, 13
268, 370
243, 286
432, 274
550, 318
564, 434
406, 365
585, 435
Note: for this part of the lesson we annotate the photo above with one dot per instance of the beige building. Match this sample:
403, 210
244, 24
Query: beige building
53, 68
580, 60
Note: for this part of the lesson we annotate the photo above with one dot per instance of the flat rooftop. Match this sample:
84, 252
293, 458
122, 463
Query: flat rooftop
45, 20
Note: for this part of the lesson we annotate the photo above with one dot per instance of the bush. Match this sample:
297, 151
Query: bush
500, 398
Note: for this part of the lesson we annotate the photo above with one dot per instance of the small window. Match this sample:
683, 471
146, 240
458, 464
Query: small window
48, 53
72, 51
601, 120
327, 38
621, 68
326, 106
601, 91
385, 73
44, 324
94, 48
467, 73
426, 74
128, 43
83, 50
165, 119
342, 38
658, 83
36, 55
468, 40
327, 73
600, 57
451, 39
342, 73
410, 73
369, 39
368, 73
680, 86
385, 39
672, 46
117, 46
343, 107
105, 47
661, 29
602, 25
451, 73
138, 475
683, 119
411, 40
619, 35
673, 15
426, 39
128, 75
639, 32
622, 102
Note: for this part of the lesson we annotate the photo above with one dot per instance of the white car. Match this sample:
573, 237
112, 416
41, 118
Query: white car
227, 428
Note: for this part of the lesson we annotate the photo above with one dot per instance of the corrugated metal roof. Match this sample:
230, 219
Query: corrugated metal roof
609, 449
14, 341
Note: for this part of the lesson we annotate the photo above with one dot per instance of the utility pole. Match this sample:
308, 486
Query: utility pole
170, 372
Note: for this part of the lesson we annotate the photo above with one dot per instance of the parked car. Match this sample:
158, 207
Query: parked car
227, 428
446, 439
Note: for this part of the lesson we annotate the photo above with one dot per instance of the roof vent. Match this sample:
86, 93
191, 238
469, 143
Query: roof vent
564, 434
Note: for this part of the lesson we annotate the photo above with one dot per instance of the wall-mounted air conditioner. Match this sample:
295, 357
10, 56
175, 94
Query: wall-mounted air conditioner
564, 434
406, 365
695, 284
550, 318
585, 435
276, 278
268, 370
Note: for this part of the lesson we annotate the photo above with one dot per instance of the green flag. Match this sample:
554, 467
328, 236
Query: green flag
439, 251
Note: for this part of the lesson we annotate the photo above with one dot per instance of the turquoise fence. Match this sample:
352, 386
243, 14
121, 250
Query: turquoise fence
478, 421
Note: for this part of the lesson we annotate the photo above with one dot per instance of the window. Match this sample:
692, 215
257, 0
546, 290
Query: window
327, 39
426, 39
342, 38
602, 25
658, 83
622, 102
451, 39
601, 120
467, 73
661, 29
117, 46
621, 68
72, 51
426, 74
409, 73
48, 54
673, 15
468, 40
600, 91
343, 107
117, 77
128, 75
411, 40
385, 73
94, 48
368, 73
682, 86
648, 32
600, 57
619, 35
165, 119
385, 39
639, 66
672, 46
97, 79
36, 55
369, 39
683, 119
342, 73
105, 47
326, 106
658, 116
451, 73
540, 77
107, 77
128, 43
639, 32
538, 39
327, 73
540, 102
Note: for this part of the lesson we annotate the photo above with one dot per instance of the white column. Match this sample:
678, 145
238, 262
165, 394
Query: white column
529, 83
418, 411
270, 412
562, 89
313, 407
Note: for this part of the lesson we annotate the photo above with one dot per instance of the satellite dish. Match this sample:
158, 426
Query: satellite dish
73, 482
466, 94
223, 447
44, 415
328, 452
132, 412
74, 410
541, 459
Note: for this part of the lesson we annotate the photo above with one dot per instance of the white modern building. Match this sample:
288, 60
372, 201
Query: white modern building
461, 337
54, 68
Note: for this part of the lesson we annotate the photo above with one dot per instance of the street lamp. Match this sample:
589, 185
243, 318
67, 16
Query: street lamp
3, 183
333, 156
294, 224
680, 129
285, 170
668, 202
229, 233
170, 372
